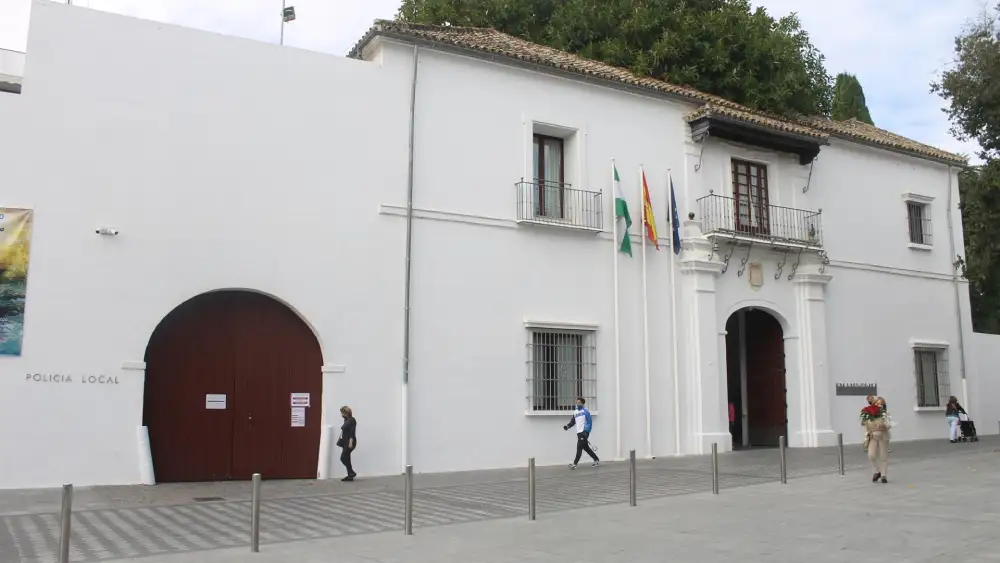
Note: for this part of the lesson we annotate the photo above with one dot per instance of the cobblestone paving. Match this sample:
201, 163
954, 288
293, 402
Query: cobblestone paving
138, 531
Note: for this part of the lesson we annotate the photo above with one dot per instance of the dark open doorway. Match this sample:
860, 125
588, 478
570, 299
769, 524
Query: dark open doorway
755, 374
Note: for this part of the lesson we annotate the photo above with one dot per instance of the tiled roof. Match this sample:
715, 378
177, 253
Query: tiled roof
493, 42
757, 118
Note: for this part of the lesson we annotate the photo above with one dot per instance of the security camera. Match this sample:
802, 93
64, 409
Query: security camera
107, 231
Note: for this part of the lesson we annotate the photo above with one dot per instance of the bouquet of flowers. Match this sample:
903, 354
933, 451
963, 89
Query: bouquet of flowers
869, 413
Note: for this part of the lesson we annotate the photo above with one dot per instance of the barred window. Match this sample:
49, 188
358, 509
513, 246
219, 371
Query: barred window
919, 219
562, 366
931, 368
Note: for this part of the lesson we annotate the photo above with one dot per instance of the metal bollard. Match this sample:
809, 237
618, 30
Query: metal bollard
65, 518
255, 515
715, 468
408, 516
631, 477
784, 467
840, 452
531, 488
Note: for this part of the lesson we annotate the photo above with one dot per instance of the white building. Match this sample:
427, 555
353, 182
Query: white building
260, 196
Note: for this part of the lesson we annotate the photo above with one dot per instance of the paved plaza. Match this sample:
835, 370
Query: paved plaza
942, 500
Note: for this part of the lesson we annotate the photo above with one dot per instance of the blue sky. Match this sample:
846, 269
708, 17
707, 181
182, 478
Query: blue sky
895, 47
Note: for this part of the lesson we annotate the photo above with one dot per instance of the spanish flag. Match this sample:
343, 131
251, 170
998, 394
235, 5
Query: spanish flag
647, 214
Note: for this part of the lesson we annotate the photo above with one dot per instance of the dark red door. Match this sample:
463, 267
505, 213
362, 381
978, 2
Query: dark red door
255, 352
766, 398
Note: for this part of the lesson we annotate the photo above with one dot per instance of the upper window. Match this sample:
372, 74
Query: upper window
549, 170
931, 368
920, 222
750, 198
918, 219
561, 367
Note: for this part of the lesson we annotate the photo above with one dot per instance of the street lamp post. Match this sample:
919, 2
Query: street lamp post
287, 15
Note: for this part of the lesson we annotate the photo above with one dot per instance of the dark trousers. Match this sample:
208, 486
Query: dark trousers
345, 458
583, 445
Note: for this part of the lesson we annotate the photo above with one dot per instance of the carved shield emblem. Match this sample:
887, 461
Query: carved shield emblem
756, 275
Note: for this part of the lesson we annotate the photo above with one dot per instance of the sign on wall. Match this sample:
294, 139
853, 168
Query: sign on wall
15, 245
856, 389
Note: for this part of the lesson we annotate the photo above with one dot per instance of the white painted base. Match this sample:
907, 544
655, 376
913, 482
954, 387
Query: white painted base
324, 467
815, 439
705, 441
146, 474
826, 438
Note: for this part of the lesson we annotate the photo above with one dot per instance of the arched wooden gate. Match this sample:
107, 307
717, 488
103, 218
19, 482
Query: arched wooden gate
220, 373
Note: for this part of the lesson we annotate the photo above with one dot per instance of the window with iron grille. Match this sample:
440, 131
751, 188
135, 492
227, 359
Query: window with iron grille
919, 219
562, 366
931, 368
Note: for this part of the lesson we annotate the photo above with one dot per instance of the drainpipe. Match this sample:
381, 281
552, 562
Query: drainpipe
957, 285
405, 395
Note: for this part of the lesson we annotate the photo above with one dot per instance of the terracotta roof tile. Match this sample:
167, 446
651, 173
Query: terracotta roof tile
860, 131
757, 118
494, 42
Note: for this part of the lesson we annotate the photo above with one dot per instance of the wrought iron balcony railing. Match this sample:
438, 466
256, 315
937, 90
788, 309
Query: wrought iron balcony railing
753, 219
556, 203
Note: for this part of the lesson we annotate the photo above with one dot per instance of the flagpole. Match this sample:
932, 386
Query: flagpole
673, 317
645, 315
618, 362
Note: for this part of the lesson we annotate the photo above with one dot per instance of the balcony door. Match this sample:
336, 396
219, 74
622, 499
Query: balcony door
549, 167
751, 198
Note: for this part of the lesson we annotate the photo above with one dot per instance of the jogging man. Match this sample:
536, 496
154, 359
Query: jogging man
581, 420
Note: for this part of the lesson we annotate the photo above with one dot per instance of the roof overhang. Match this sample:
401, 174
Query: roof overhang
11, 84
730, 129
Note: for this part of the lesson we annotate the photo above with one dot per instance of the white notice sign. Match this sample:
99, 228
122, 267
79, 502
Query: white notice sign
215, 402
298, 417
300, 400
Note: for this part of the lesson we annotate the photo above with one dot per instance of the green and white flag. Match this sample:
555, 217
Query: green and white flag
623, 221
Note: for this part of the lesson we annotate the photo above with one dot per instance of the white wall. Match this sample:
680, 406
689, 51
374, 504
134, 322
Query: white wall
478, 275
984, 397
225, 163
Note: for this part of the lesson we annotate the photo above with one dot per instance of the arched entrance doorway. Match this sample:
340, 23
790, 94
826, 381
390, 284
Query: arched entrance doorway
755, 374
221, 369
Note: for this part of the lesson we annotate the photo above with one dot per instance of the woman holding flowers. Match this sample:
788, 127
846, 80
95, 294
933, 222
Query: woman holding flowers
875, 419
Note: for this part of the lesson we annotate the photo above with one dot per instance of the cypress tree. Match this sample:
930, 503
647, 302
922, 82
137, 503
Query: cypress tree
849, 100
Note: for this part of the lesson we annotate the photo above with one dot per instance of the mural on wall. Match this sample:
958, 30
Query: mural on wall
15, 245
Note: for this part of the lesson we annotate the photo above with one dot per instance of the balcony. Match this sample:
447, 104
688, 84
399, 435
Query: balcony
751, 220
558, 204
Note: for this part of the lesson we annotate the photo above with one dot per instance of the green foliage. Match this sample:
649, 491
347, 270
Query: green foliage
979, 190
849, 100
724, 47
971, 87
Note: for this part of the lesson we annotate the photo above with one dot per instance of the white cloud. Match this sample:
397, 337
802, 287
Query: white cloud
895, 47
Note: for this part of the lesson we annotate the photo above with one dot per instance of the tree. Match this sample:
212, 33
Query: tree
971, 87
724, 47
979, 192
849, 100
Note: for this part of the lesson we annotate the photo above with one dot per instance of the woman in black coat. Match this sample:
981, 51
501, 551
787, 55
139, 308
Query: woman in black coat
348, 441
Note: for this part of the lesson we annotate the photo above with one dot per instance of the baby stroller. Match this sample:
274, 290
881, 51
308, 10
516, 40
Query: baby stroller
968, 429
